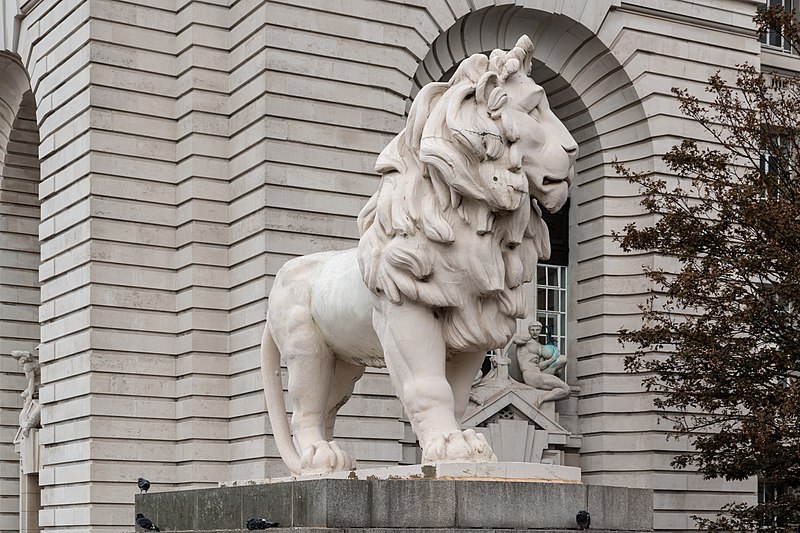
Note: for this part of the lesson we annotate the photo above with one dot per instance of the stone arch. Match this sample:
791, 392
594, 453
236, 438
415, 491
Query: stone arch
19, 278
14, 84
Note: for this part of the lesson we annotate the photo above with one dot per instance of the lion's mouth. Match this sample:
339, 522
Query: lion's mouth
549, 180
552, 193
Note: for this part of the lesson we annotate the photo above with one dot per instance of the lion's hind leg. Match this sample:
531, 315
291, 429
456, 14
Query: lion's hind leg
461, 370
311, 366
321, 386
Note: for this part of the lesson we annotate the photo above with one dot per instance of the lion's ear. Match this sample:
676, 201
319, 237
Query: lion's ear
471, 69
525, 45
426, 99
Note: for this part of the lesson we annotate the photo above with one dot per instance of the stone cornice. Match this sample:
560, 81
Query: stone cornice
26, 6
676, 16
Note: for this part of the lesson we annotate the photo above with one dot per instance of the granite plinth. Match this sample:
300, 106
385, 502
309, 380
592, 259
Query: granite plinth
415, 503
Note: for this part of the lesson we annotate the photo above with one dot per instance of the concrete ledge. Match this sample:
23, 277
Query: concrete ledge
402, 504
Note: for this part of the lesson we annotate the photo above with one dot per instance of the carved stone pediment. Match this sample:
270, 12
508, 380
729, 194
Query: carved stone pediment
516, 426
519, 404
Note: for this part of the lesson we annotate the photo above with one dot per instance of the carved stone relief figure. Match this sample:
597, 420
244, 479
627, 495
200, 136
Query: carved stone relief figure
30, 415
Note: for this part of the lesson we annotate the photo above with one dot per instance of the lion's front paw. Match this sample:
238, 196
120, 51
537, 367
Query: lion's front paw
459, 446
323, 457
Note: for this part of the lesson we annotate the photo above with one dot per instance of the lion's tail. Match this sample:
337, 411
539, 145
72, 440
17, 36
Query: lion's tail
276, 407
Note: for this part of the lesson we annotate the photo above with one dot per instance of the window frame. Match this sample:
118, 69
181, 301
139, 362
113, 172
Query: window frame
766, 38
560, 287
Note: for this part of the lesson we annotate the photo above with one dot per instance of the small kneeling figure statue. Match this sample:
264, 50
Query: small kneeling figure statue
539, 363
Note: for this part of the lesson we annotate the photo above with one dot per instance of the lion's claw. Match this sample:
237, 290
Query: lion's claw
324, 457
459, 446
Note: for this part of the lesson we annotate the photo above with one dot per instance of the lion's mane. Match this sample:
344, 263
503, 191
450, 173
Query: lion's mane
453, 226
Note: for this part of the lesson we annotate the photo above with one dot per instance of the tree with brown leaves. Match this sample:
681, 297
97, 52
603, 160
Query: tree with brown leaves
720, 340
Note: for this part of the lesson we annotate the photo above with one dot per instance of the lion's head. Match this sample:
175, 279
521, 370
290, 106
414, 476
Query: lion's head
493, 116
453, 224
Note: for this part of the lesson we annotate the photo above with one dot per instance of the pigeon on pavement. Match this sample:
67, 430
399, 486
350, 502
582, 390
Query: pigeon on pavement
260, 523
583, 519
145, 523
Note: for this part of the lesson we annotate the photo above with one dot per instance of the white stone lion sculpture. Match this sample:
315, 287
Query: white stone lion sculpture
453, 232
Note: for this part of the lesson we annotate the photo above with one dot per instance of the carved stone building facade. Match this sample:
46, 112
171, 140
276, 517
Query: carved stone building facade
161, 159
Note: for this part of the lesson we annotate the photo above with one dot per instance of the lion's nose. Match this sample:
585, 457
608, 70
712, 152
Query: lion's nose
571, 150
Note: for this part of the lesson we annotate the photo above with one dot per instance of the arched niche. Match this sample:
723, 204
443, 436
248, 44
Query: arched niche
19, 277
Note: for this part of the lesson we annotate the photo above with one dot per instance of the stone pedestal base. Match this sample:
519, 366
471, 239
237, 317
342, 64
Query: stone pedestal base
432, 503
29, 490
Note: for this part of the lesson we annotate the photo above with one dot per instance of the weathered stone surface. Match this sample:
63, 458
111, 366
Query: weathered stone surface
171, 510
401, 530
330, 503
412, 504
270, 500
520, 505
219, 508
501, 471
618, 507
